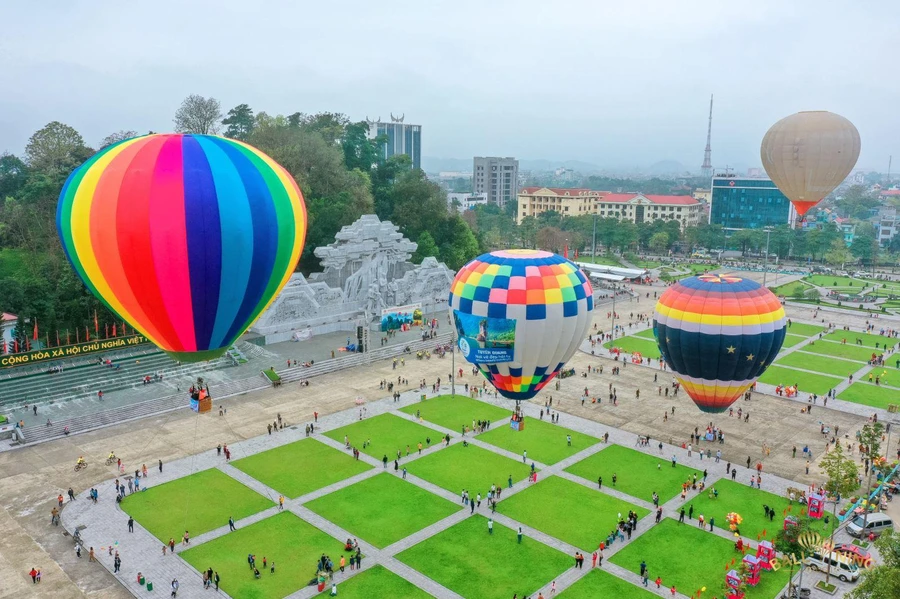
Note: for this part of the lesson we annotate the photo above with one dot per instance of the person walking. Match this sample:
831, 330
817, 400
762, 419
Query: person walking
130, 524
174, 587
490, 526
519, 536
231, 523
160, 469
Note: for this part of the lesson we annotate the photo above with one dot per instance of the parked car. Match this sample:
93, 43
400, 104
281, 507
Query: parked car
858, 554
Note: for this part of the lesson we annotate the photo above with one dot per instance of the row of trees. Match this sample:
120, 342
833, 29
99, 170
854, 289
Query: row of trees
341, 172
549, 230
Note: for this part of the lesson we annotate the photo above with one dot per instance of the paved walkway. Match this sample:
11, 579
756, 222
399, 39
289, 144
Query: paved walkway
104, 524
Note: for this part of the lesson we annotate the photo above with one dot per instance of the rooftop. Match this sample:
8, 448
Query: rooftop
622, 198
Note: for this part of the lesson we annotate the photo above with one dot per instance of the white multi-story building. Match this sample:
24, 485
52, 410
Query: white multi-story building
497, 177
466, 201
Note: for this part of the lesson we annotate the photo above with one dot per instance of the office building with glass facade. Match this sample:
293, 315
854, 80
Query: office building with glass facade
748, 203
402, 138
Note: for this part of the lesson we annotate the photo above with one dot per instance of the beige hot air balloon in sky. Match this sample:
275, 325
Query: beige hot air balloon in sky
808, 154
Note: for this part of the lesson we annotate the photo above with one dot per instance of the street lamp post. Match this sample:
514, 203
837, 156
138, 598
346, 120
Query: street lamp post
768, 231
594, 238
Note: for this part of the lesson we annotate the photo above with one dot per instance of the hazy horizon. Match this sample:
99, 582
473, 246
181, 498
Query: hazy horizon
616, 85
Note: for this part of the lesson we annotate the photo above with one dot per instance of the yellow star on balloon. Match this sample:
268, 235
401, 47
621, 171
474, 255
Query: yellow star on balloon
730, 349
750, 357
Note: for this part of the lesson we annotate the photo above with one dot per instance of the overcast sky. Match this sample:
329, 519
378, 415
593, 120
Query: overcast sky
616, 83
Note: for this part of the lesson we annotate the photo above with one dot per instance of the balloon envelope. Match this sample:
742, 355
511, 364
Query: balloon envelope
718, 333
519, 316
187, 237
808, 154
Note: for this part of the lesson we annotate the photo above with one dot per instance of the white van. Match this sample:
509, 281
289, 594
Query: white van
841, 566
876, 523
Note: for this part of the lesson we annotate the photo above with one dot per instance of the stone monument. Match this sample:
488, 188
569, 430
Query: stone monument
366, 270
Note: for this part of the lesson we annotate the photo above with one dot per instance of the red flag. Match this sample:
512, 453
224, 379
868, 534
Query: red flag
35, 335
764, 532
566, 252
96, 324
106, 330
87, 335
16, 346
114, 329
77, 336
4, 346
27, 344
576, 253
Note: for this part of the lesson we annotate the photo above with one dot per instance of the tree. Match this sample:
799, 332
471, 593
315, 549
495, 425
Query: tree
198, 115
330, 125
13, 175
426, 247
843, 479
359, 151
838, 254
884, 580
114, 138
20, 332
55, 148
239, 122
864, 244
659, 242
551, 239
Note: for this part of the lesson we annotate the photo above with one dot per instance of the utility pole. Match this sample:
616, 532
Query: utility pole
594, 243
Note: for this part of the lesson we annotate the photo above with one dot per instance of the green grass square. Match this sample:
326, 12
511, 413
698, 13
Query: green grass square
740, 498
568, 511
379, 582
792, 340
647, 347
388, 434
646, 334
299, 468
382, 509
543, 441
801, 328
291, 543
636, 472
868, 340
848, 352
873, 395
469, 561
472, 468
455, 411
817, 363
198, 503
598, 583
809, 382
690, 559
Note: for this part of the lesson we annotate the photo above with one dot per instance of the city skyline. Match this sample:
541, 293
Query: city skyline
614, 103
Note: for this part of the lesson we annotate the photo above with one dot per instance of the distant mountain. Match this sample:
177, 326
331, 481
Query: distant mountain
430, 164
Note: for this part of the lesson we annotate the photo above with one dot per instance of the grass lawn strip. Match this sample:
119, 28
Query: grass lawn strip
299, 468
808, 382
817, 363
543, 441
472, 468
469, 561
291, 543
646, 334
602, 584
646, 347
792, 340
455, 411
379, 582
690, 559
739, 497
382, 509
836, 350
388, 434
568, 511
801, 328
868, 340
872, 395
636, 472
197, 503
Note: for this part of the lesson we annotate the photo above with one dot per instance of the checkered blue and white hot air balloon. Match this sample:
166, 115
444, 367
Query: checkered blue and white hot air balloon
519, 316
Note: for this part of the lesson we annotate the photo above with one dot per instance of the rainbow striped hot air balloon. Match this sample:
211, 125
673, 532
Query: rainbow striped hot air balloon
718, 333
519, 316
187, 237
